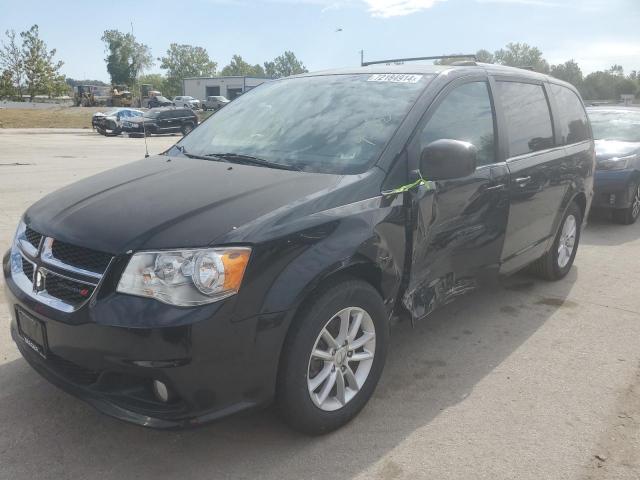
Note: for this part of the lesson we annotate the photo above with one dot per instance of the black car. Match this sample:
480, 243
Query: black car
160, 101
617, 177
264, 255
162, 120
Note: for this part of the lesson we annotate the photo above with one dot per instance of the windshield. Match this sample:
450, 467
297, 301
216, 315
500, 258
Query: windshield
620, 125
331, 124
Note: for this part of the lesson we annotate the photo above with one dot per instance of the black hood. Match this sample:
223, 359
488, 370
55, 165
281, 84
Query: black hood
170, 202
606, 149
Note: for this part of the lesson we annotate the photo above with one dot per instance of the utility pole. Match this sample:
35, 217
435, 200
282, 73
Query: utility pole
362, 58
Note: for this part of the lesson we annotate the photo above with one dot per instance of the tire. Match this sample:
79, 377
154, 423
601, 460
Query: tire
186, 128
556, 263
629, 215
300, 405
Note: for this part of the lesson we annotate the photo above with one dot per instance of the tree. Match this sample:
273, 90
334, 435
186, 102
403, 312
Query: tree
616, 70
239, 67
41, 73
156, 80
7, 89
568, 71
126, 58
284, 65
485, 56
522, 55
182, 61
11, 61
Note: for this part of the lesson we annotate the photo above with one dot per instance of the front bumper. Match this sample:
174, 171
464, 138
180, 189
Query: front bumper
213, 363
611, 189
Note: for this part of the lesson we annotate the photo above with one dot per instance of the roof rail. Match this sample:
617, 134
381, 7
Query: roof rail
471, 56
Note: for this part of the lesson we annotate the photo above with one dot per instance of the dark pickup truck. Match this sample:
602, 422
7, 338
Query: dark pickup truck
263, 256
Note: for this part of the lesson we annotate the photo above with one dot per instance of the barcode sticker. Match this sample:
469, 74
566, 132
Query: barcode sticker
394, 78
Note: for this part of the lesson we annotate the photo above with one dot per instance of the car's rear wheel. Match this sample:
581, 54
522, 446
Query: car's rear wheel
333, 357
557, 262
186, 128
629, 215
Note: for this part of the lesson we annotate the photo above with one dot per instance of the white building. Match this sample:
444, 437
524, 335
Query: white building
230, 87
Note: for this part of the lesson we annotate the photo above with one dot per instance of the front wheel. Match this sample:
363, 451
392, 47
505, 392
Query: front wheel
186, 128
557, 262
333, 357
629, 215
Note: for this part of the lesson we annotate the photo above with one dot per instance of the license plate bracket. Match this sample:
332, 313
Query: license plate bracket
32, 331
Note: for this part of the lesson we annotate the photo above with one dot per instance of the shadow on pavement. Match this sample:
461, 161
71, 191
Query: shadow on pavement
46, 433
602, 230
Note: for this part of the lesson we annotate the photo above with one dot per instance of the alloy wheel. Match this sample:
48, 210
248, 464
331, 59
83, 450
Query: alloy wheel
567, 241
635, 204
341, 358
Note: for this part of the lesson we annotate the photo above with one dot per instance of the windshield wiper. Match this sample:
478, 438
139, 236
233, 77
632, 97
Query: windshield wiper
251, 160
183, 150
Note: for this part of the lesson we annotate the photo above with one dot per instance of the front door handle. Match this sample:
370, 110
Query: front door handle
496, 187
522, 181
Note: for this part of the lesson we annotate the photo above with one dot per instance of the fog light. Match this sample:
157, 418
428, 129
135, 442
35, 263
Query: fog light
161, 391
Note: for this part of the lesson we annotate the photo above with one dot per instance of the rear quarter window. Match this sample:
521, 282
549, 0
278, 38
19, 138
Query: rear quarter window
527, 115
572, 117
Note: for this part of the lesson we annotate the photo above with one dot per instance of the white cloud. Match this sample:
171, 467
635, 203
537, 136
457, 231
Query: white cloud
598, 55
534, 3
397, 8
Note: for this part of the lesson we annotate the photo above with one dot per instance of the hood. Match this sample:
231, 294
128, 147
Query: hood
169, 202
606, 149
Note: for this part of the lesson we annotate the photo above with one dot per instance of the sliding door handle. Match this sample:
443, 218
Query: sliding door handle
522, 181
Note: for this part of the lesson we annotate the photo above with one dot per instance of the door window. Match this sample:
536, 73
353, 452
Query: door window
527, 115
465, 114
574, 126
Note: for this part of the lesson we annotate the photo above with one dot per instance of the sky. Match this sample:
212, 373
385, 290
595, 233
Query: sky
596, 33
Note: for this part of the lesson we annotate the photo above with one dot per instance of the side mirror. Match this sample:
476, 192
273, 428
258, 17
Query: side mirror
446, 159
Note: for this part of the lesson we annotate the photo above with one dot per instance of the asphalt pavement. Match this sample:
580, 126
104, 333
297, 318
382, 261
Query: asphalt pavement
525, 380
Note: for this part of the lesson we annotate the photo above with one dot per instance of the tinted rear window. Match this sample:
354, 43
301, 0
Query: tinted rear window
527, 115
574, 126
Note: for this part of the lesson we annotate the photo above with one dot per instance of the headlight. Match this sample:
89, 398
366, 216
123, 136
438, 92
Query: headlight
615, 163
186, 277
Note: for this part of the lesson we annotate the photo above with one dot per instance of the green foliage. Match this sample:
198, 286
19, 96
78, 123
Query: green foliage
239, 67
156, 80
126, 57
284, 65
11, 62
183, 61
41, 72
568, 71
485, 56
7, 88
522, 55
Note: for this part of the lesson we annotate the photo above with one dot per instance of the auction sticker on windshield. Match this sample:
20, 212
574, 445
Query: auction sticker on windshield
394, 78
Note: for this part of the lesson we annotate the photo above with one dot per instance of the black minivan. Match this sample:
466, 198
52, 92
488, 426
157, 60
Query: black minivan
263, 256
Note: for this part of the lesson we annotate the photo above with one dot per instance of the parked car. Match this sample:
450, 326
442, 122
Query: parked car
162, 120
263, 256
110, 122
159, 101
617, 177
215, 102
186, 102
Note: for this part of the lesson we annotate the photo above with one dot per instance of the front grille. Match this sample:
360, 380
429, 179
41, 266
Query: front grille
73, 372
69, 291
33, 237
80, 257
27, 269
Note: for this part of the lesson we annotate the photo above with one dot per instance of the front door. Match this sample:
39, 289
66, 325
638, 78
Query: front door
459, 225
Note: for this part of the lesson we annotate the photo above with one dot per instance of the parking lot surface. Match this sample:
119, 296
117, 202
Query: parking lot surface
526, 380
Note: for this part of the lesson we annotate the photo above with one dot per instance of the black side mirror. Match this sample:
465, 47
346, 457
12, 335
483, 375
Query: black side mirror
445, 159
